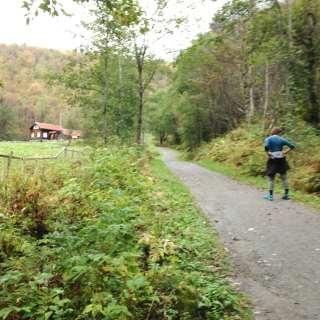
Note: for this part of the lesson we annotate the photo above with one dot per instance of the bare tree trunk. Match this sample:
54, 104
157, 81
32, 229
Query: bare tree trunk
251, 112
289, 98
251, 96
140, 112
140, 105
120, 80
140, 54
266, 95
289, 5
105, 100
121, 97
312, 62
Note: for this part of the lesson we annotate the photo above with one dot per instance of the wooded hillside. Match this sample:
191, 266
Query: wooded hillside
25, 94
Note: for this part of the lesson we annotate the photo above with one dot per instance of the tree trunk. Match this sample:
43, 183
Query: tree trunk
266, 94
105, 100
289, 4
140, 57
314, 113
140, 105
251, 96
120, 124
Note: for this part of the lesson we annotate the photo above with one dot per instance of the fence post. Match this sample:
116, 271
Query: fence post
22, 165
65, 152
7, 175
9, 164
3, 177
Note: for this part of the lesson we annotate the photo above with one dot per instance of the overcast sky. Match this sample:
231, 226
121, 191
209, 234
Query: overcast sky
65, 33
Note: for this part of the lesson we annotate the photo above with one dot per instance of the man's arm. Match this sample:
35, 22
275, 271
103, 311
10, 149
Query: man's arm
290, 145
267, 147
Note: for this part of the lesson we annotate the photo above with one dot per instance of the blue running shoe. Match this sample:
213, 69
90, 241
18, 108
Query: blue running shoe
268, 197
285, 197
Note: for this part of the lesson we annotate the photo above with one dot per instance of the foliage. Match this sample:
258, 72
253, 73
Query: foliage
161, 118
113, 106
242, 149
26, 96
202, 95
259, 61
103, 238
7, 116
125, 12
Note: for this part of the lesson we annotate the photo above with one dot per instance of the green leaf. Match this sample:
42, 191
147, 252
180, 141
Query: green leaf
5, 312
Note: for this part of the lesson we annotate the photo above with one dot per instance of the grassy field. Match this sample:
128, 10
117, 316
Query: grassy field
29, 149
26, 149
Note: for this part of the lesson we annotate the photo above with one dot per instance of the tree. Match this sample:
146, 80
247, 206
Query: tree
260, 62
25, 90
7, 122
126, 11
306, 38
153, 21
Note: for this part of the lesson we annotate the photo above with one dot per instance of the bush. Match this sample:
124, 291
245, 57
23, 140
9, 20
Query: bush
243, 149
115, 246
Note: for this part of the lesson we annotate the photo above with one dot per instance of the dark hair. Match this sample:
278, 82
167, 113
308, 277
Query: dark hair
276, 130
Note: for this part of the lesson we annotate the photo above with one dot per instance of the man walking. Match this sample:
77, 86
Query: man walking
277, 162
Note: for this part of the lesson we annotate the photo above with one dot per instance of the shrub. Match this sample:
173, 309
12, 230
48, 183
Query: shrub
115, 246
242, 149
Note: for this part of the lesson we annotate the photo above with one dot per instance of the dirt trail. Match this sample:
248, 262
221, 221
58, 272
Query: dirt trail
275, 246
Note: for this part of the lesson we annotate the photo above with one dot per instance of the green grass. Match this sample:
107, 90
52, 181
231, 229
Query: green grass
31, 148
310, 200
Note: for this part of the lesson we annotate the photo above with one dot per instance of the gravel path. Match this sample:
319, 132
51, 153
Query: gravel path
275, 246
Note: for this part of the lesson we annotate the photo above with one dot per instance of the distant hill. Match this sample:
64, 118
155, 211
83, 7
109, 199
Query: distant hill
25, 94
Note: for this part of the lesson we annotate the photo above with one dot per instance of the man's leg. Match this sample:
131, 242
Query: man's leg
284, 179
271, 187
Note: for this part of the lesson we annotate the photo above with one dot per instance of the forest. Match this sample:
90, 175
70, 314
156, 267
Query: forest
259, 63
25, 93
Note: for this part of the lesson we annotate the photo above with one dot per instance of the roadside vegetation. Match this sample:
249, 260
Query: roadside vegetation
240, 154
257, 68
109, 237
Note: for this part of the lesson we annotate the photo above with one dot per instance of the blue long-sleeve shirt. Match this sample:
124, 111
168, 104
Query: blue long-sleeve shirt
276, 143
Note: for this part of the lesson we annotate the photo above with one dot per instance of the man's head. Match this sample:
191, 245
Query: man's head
277, 131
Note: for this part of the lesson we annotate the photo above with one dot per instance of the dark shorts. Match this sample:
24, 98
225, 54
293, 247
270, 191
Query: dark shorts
275, 166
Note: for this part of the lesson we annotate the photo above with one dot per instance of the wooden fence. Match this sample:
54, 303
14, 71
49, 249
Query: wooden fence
9, 157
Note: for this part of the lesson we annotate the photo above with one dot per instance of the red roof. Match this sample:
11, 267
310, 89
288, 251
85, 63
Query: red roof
48, 126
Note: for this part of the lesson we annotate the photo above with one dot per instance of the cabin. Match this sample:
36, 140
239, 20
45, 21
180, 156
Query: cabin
48, 131
45, 131
71, 134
